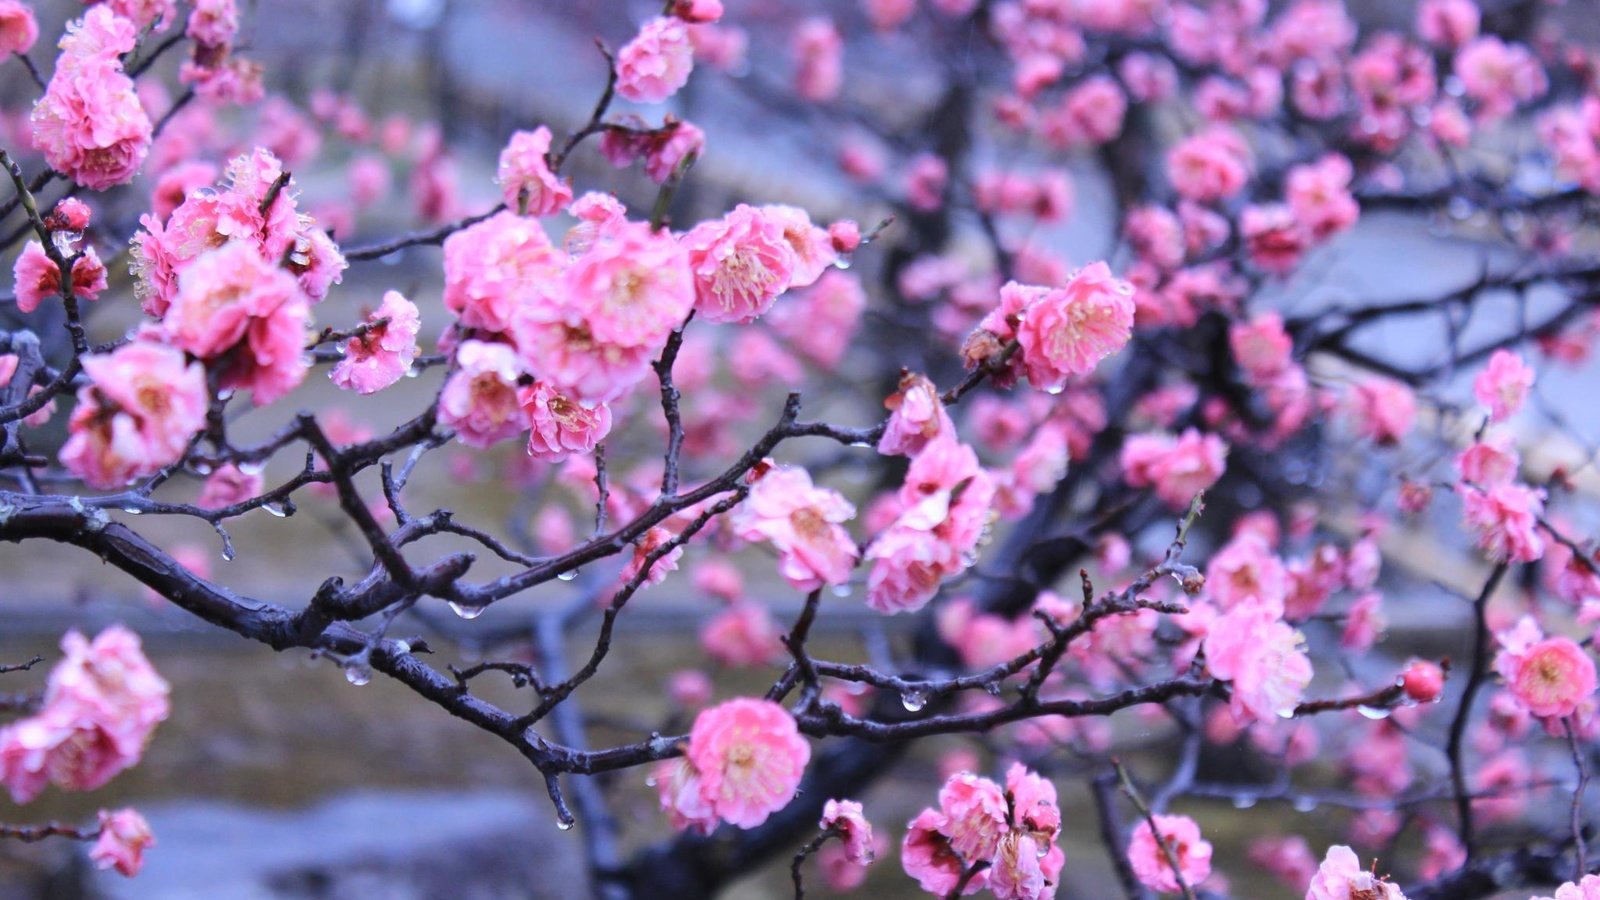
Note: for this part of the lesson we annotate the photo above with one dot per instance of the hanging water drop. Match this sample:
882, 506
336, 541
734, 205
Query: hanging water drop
568, 575
914, 700
566, 824
1304, 804
1374, 712
276, 509
1054, 390
227, 553
466, 611
132, 510
841, 590
1244, 801
357, 674
842, 261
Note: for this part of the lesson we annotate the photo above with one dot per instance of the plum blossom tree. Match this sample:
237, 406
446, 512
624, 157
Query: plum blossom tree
1133, 521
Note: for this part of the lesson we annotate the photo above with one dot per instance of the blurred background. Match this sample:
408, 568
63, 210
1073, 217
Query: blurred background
275, 777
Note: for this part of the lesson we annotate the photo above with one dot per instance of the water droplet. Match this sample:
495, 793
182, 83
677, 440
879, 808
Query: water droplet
993, 688
414, 372
402, 646
1041, 849
863, 444
1244, 801
1286, 713
132, 510
465, 611
1459, 208
276, 509
1374, 712
841, 590
568, 575
913, 701
1054, 390
650, 782
566, 824
1304, 804
842, 261
227, 553
357, 674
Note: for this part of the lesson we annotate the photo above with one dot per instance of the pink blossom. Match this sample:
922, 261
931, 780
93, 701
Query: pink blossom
124, 835
380, 356
1503, 385
847, 819
479, 399
1069, 330
1423, 681
1156, 236
18, 29
1363, 623
649, 545
804, 524
1490, 461
697, 11
596, 212
1499, 76
742, 634
1263, 658
927, 856
631, 287
1553, 677
89, 124
103, 701
945, 506
38, 279
916, 416
1246, 571
1150, 78
887, 15
1178, 468
491, 268
1274, 236
1209, 166
1447, 23
144, 403
976, 811
1182, 837
820, 321
741, 263
926, 181
682, 796
1341, 877
813, 246
819, 60
1381, 409
236, 311
1503, 520
177, 183
229, 485
665, 153
749, 756
561, 425
1288, 858
1319, 194
656, 63
526, 182
1261, 346
1090, 114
